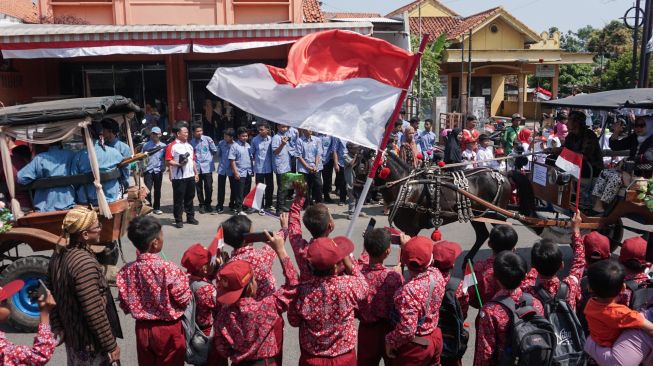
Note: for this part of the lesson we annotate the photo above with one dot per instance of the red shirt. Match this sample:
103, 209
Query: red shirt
244, 331
492, 327
324, 312
624, 296
488, 286
205, 304
572, 280
383, 283
469, 136
297, 242
261, 261
37, 355
410, 306
153, 289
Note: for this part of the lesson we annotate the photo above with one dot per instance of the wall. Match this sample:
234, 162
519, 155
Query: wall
430, 10
507, 38
32, 78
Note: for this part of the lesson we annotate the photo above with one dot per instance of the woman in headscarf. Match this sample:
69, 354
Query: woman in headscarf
452, 151
640, 144
85, 318
409, 148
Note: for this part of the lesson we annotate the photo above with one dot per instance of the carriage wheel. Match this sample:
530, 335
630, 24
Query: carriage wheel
24, 311
614, 232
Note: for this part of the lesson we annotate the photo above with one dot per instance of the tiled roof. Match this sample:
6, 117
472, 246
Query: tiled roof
329, 15
414, 4
453, 26
312, 11
24, 10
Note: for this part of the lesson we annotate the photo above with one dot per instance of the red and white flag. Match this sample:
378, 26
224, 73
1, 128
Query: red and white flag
470, 277
254, 198
336, 82
570, 162
216, 244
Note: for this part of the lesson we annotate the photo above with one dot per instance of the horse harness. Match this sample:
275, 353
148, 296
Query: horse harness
432, 179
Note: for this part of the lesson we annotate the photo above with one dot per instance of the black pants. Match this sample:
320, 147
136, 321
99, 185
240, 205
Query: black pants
314, 186
205, 189
241, 188
327, 178
183, 193
268, 180
222, 182
282, 194
341, 186
154, 180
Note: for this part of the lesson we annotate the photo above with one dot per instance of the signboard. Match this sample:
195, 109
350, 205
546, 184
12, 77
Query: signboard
539, 174
545, 71
487, 91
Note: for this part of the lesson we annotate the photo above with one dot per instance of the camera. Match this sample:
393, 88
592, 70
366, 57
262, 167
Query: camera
183, 158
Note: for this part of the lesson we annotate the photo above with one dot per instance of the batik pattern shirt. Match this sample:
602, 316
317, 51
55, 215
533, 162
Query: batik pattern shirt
414, 316
205, 304
37, 355
297, 242
153, 289
324, 312
624, 296
244, 331
383, 283
572, 280
487, 284
492, 328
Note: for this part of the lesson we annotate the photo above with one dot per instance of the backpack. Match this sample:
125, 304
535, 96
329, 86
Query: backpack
451, 323
641, 293
582, 303
531, 340
568, 330
197, 343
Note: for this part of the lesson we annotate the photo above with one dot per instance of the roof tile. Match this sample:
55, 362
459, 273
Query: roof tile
312, 11
414, 4
453, 26
330, 15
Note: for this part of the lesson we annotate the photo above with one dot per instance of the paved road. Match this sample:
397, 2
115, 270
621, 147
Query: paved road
177, 240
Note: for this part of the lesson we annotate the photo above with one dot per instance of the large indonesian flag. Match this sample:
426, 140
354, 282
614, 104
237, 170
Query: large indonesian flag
337, 82
570, 162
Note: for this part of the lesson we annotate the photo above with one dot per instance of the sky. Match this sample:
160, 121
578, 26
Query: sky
539, 15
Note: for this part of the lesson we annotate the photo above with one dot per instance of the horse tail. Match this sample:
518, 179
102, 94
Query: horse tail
525, 192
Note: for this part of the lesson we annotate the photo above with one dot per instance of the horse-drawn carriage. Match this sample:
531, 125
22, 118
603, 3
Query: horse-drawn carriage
432, 195
33, 234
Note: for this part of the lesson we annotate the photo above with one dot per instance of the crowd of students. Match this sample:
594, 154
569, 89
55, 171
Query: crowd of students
409, 314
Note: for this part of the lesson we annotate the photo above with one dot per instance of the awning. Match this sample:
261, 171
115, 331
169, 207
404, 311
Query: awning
613, 99
64, 41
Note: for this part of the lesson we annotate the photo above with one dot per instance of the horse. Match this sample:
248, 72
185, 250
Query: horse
424, 198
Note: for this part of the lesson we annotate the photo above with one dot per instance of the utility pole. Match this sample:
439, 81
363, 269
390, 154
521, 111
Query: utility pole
469, 73
419, 71
462, 75
645, 57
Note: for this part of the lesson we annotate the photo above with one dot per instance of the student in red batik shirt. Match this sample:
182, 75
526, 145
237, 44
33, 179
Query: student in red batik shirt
416, 338
493, 321
44, 343
374, 313
502, 237
546, 258
325, 305
155, 292
246, 329
633, 258
317, 220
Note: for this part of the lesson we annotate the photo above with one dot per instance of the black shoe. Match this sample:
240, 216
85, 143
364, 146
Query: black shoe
202, 210
328, 199
250, 211
208, 208
179, 224
219, 209
192, 221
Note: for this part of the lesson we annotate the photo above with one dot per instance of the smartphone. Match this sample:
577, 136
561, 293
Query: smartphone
257, 237
38, 292
370, 226
395, 239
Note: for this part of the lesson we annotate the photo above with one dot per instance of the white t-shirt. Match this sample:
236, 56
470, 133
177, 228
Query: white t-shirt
174, 151
486, 153
469, 155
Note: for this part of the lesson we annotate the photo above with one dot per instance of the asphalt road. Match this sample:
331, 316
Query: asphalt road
177, 240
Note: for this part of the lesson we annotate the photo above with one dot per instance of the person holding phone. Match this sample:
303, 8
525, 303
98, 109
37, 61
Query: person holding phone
44, 341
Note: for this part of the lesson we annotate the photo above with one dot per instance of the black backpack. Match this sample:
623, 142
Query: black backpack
641, 293
531, 340
198, 344
568, 330
451, 323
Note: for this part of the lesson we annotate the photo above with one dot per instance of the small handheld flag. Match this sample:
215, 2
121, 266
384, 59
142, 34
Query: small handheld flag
572, 163
470, 280
254, 198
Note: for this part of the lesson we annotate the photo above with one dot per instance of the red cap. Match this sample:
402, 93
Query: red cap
597, 245
11, 288
445, 254
232, 280
324, 253
633, 248
417, 253
436, 235
195, 257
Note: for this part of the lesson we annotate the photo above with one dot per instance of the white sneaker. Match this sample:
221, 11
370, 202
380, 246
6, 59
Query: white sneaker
157, 212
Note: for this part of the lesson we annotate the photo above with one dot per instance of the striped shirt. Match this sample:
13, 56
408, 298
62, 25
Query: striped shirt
80, 290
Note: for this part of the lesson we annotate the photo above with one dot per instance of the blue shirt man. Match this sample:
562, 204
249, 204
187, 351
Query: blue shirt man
204, 150
156, 162
282, 150
108, 159
309, 148
426, 140
52, 163
224, 168
240, 153
339, 147
327, 144
262, 153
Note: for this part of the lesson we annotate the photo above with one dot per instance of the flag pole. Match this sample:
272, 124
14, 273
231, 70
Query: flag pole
478, 294
386, 136
580, 175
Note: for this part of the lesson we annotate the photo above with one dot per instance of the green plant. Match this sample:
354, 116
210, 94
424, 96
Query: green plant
645, 194
5, 218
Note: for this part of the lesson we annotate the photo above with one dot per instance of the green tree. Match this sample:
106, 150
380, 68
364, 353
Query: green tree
431, 60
